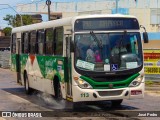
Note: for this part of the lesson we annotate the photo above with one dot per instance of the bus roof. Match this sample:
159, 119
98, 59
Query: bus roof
64, 22
43, 25
105, 15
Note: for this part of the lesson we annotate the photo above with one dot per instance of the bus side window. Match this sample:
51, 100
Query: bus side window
49, 41
58, 43
22, 43
25, 43
33, 37
40, 43
13, 50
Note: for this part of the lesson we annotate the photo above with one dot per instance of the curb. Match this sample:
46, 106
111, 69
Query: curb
152, 92
153, 88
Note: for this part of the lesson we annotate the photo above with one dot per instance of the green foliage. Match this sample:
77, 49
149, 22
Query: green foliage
27, 19
11, 20
15, 21
7, 31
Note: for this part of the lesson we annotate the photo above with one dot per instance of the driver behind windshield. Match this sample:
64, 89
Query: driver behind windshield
118, 48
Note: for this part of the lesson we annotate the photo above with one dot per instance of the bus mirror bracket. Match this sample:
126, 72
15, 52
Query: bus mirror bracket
145, 34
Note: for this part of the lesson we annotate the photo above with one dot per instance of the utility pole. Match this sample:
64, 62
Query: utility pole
48, 3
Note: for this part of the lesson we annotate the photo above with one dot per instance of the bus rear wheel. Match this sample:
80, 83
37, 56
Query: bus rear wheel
28, 90
116, 102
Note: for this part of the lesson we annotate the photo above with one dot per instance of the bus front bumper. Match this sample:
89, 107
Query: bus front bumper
80, 95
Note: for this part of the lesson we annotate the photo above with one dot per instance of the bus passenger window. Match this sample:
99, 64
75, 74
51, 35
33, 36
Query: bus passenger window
13, 50
33, 42
22, 43
49, 41
25, 42
58, 45
40, 42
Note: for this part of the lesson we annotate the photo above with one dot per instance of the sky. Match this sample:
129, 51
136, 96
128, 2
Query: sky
5, 9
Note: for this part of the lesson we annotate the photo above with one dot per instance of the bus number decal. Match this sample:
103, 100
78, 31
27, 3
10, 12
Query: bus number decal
84, 94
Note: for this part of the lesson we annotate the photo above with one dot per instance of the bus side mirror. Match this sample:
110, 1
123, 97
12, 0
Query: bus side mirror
145, 37
145, 34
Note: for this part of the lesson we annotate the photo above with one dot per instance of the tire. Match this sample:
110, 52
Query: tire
28, 90
116, 102
58, 92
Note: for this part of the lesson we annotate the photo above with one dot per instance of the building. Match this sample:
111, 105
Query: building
147, 11
5, 43
1, 33
37, 18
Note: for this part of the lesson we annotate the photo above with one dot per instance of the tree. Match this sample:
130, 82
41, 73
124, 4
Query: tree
15, 21
7, 31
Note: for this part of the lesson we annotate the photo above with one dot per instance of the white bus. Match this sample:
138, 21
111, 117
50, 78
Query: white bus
83, 58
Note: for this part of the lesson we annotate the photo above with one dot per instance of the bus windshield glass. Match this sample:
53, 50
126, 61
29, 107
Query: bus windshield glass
104, 52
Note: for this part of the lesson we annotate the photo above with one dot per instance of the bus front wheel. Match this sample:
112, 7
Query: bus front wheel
28, 90
117, 102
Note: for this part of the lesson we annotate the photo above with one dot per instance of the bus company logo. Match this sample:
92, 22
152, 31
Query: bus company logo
6, 114
110, 86
22, 114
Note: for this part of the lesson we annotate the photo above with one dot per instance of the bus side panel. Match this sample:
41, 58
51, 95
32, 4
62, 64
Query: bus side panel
14, 62
43, 69
55, 66
41, 64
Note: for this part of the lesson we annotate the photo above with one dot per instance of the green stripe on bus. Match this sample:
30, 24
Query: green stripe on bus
105, 85
14, 62
23, 58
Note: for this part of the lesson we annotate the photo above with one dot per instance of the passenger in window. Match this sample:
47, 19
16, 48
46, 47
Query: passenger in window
90, 56
98, 56
118, 48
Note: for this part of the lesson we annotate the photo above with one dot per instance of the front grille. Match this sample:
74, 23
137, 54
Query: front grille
110, 78
110, 93
107, 86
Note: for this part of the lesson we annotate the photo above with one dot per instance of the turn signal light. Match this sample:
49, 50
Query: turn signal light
76, 78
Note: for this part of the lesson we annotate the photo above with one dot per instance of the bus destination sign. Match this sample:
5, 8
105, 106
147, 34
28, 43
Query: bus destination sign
106, 24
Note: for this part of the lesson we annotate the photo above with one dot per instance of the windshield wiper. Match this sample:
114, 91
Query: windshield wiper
99, 42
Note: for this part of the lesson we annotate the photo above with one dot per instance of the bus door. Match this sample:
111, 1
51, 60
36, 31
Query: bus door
68, 55
18, 61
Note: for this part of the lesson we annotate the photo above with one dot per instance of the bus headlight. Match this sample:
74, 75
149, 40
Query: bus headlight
83, 84
136, 82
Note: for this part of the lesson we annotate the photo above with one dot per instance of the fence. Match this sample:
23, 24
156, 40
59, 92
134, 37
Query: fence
5, 59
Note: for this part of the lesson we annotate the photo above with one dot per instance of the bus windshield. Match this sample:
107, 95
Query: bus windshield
105, 52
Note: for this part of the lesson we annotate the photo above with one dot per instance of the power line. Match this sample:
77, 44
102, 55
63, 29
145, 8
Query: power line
22, 4
57, 1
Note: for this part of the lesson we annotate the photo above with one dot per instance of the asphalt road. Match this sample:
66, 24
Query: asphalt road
13, 98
